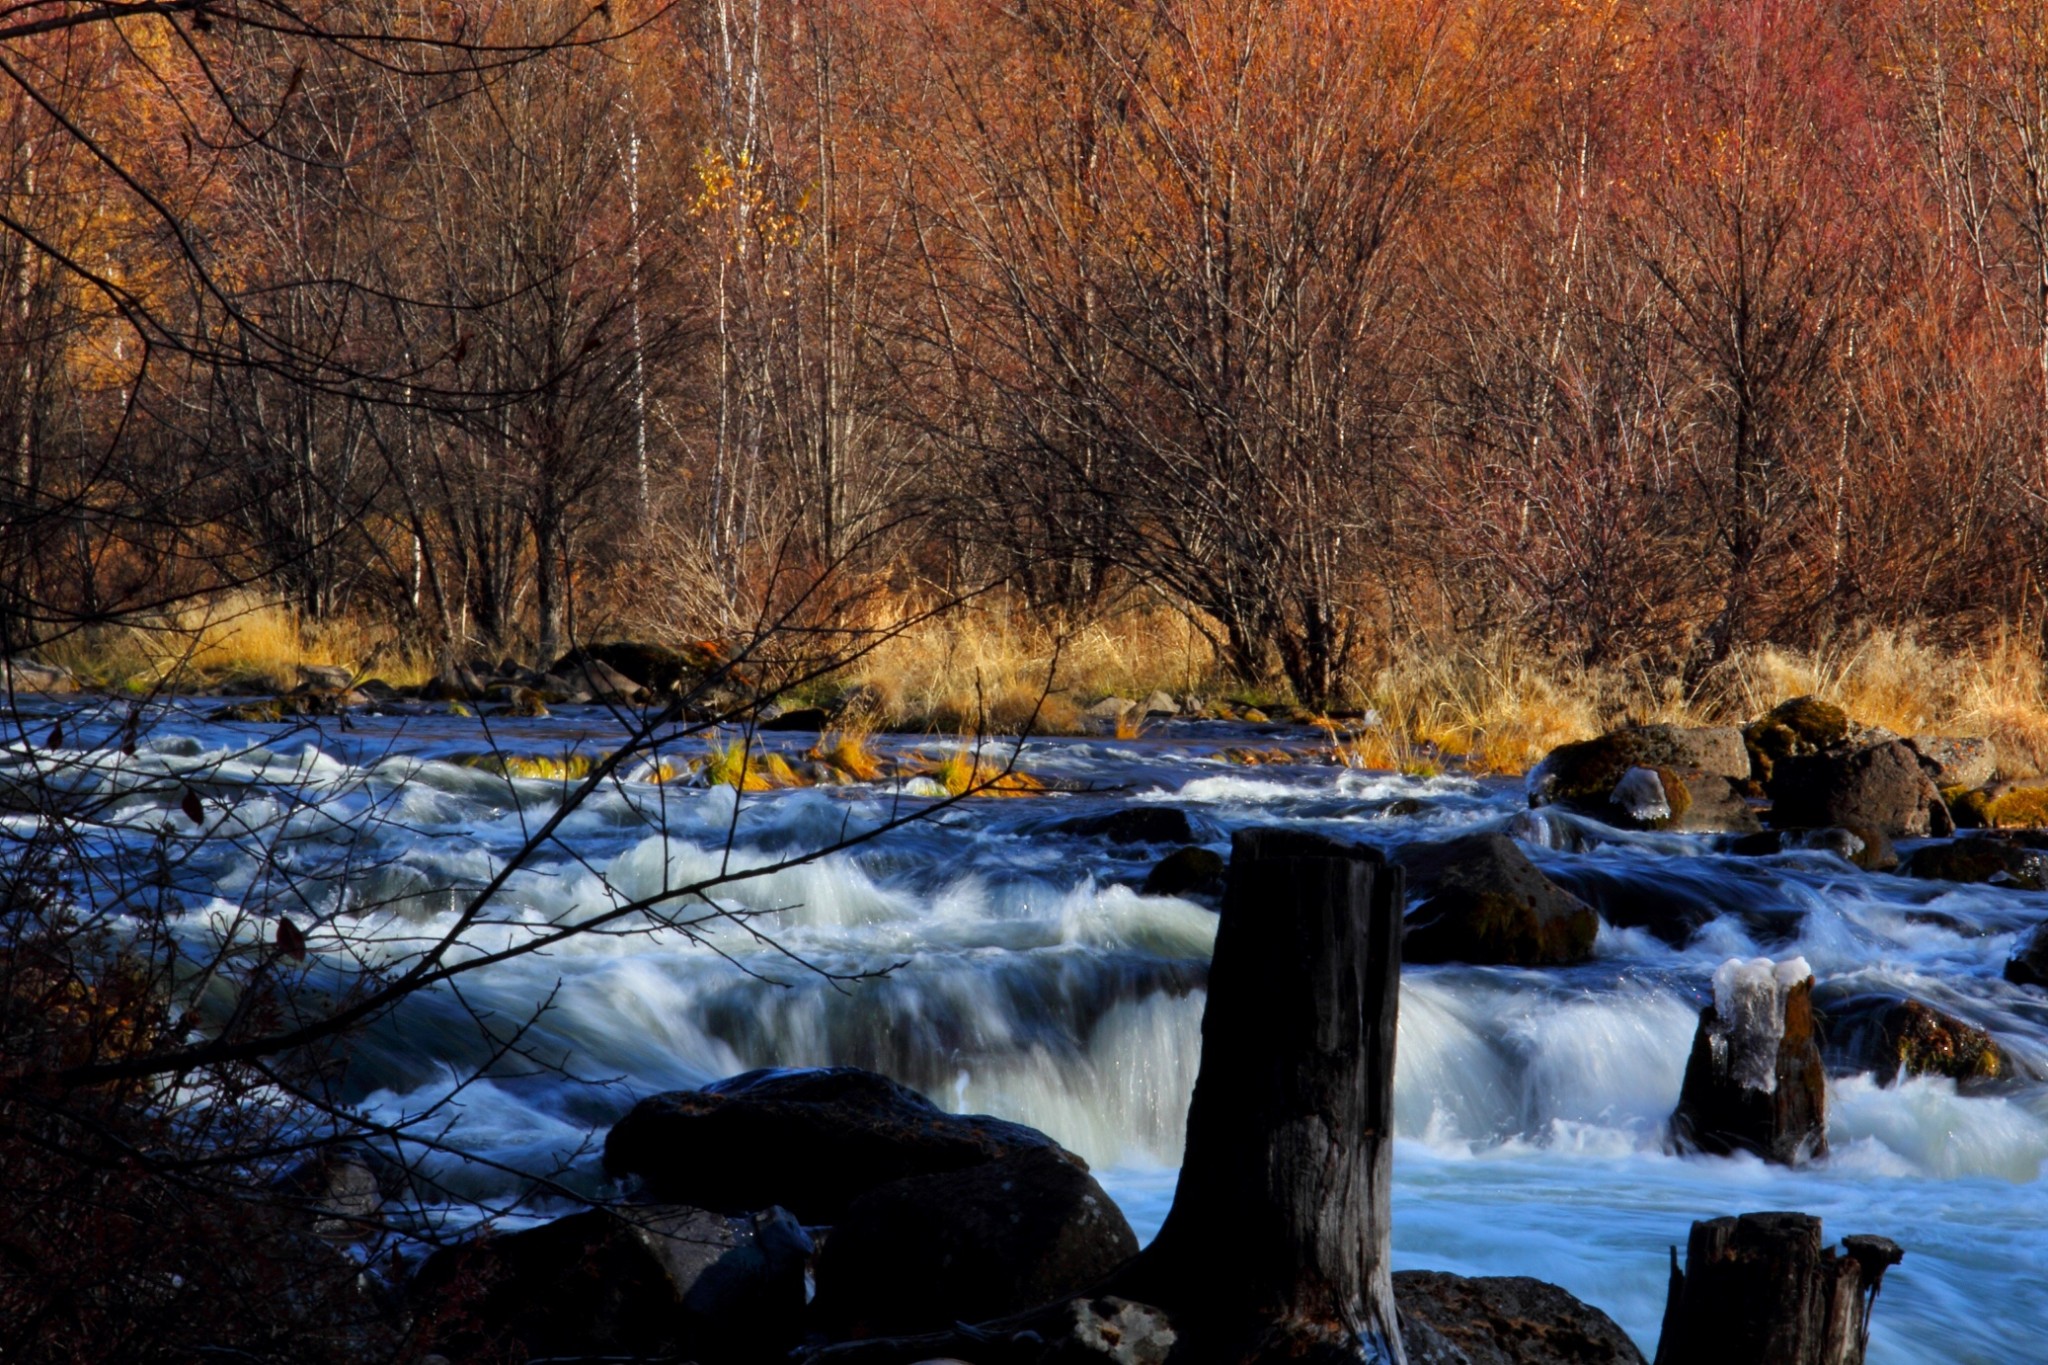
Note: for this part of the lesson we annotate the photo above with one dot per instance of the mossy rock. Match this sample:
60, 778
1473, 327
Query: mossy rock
2020, 804
552, 767
1896, 1038
527, 705
1814, 722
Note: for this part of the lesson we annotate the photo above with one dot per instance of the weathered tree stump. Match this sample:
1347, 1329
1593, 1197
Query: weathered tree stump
1277, 1243
1763, 1289
1754, 1081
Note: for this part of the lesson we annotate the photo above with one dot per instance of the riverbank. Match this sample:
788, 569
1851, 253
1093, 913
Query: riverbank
1487, 704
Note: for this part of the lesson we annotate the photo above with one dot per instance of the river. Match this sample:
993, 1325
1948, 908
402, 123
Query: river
1022, 974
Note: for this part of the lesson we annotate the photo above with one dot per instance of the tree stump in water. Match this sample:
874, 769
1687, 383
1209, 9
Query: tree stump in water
1754, 1081
1763, 1289
1277, 1243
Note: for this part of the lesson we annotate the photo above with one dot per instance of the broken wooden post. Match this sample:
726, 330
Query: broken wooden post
1754, 1081
1277, 1243
1764, 1289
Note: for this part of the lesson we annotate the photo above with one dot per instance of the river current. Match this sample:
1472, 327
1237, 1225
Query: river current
1019, 972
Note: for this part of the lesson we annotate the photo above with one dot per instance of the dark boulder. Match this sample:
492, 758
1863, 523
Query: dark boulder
1882, 787
1483, 901
1890, 1037
1590, 768
811, 1141
2028, 965
1985, 858
1191, 871
965, 1246
654, 667
1503, 1320
657, 1281
1133, 825
1652, 777
1754, 1081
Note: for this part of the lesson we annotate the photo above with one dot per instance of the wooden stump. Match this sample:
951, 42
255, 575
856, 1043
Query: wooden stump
1763, 1289
1277, 1243
1746, 1091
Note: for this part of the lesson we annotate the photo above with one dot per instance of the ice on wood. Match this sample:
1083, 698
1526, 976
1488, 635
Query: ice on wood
1749, 1009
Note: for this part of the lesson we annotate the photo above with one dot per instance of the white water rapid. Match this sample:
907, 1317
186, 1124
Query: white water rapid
1027, 977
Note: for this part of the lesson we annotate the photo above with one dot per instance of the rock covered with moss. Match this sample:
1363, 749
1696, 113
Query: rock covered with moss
1894, 1037
2018, 803
1799, 728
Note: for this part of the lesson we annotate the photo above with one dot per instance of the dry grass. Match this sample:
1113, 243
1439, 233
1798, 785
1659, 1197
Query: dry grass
235, 640
991, 668
1999, 690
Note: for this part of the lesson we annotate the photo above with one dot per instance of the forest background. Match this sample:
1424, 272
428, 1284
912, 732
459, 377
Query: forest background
1510, 366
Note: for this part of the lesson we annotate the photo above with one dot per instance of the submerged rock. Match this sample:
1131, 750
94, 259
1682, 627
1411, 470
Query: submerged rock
1483, 901
922, 1253
1133, 825
1190, 871
1882, 787
1754, 1081
1866, 848
662, 1281
1985, 858
811, 1141
2028, 965
1893, 1037
1503, 1320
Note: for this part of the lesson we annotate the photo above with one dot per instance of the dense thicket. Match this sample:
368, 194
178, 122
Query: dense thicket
1636, 326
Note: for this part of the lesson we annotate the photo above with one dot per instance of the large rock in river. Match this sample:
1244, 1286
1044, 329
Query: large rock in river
2028, 965
1882, 787
654, 1282
1595, 765
1483, 901
1892, 1037
928, 1251
1983, 858
811, 1141
1956, 762
1503, 1320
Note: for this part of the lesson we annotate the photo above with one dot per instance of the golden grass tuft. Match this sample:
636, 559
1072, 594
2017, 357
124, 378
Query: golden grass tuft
850, 754
963, 773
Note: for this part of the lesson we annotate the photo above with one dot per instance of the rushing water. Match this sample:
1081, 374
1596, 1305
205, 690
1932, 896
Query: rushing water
1026, 977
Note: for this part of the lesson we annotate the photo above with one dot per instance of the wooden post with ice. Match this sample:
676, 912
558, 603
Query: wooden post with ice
1754, 1081
1277, 1243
